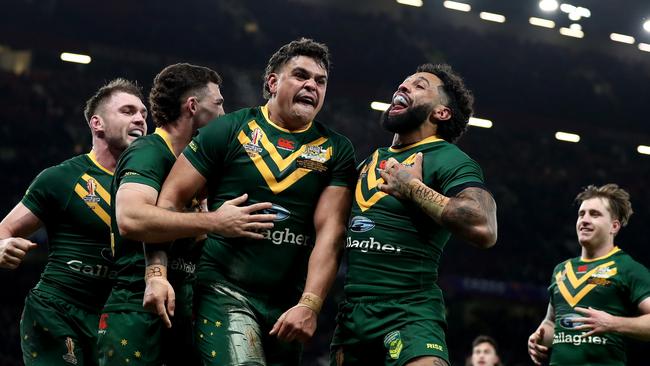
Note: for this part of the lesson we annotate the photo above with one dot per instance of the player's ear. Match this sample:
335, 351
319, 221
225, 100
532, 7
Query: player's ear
96, 123
440, 113
272, 83
616, 226
191, 105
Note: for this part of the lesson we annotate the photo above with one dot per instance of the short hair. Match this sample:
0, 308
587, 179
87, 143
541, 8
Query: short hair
485, 339
301, 47
106, 92
620, 206
459, 99
173, 84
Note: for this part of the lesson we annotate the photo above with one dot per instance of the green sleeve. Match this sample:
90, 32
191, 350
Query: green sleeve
344, 173
460, 169
44, 195
638, 278
144, 165
552, 286
207, 150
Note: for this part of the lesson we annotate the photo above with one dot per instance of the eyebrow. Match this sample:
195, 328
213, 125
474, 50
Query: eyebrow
422, 78
305, 71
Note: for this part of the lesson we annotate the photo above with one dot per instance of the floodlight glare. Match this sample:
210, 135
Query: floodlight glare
646, 25
455, 5
567, 8
575, 16
568, 137
571, 32
548, 5
643, 149
492, 17
480, 122
379, 106
76, 58
416, 3
576, 26
541, 22
617, 37
644, 47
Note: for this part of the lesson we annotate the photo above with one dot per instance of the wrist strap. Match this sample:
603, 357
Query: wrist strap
311, 301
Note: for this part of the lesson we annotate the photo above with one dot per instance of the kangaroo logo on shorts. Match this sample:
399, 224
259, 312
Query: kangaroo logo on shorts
393, 341
70, 356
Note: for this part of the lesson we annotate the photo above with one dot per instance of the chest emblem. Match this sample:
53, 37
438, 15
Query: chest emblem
93, 193
574, 289
368, 181
281, 173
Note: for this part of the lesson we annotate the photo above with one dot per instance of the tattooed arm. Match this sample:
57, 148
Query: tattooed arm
159, 295
470, 215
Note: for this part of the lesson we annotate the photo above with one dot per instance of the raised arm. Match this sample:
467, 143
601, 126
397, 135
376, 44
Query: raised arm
470, 214
330, 220
19, 224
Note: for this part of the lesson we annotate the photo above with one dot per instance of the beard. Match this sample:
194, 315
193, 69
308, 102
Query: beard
407, 121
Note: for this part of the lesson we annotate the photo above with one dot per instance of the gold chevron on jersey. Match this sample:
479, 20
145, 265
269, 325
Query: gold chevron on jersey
574, 289
92, 194
282, 164
371, 182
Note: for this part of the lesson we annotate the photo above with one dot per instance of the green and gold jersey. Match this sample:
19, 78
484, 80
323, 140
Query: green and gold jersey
72, 201
614, 283
148, 161
244, 152
392, 246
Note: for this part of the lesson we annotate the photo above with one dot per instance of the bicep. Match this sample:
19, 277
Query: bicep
333, 206
183, 183
20, 222
644, 306
130, 196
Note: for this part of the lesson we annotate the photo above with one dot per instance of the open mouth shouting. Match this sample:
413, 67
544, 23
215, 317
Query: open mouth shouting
400, 103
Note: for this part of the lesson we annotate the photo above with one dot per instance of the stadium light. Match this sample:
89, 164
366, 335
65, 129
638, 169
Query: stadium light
575, 26
480, 122
416, 3
455, 5
643, 149
541, 22
646, 25
584, 12
492, 17
379, 106
548, 5
575, 33
575, 15
644, 47
568, 137
617, 37
76, 58
567, 8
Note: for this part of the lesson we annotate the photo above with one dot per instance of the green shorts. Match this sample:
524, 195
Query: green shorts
232, 329
390, 331
53, 332
141, 338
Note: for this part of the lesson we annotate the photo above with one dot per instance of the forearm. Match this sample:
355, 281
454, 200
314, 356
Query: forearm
157, 225
635, 327
155, 261
471, 215
549, 331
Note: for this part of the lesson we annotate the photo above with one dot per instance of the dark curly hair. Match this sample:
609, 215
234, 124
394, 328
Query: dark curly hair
301, 47
173, 84
620, 206
459, 99
105, 92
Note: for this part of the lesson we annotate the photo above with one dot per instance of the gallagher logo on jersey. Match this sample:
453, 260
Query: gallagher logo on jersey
91, 186
568, 321
361, 224
280, 212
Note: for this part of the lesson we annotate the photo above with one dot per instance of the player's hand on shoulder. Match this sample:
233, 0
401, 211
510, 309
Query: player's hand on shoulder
160, 298
233, 219
296, 324
537, 352
13, 251
397, 177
